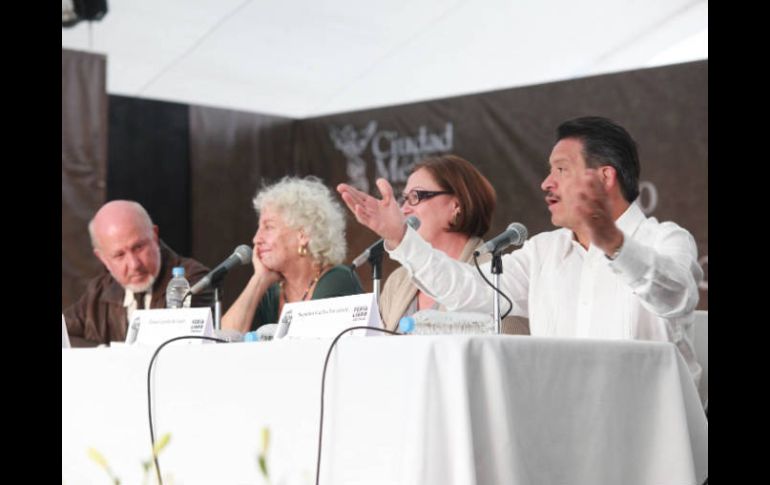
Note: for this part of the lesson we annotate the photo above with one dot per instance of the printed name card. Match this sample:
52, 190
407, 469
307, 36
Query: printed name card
153, 327
330, 316
65, 336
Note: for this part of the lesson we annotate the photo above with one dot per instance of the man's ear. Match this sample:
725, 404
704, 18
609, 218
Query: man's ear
100, 256
609, 176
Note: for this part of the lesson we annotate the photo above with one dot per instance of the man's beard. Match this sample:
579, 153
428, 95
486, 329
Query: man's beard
146, 286
140, 288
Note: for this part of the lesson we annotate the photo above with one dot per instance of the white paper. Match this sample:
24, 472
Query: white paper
153, 327
330, 316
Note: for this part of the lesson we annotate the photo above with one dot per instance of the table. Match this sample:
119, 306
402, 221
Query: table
399, 410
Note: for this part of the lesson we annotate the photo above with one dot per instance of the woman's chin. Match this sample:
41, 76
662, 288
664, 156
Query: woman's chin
272, 266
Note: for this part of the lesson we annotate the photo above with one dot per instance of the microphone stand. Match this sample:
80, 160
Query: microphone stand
375, 259
497, 270
217, 309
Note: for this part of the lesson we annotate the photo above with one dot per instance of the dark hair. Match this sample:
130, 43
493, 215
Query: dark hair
476, 195
606, 143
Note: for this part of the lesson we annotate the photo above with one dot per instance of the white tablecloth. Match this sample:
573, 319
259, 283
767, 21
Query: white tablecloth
399, 410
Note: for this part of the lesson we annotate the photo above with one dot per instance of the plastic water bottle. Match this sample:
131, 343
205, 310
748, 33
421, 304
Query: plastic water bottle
266, 332
434, 322
251, 336
177, 289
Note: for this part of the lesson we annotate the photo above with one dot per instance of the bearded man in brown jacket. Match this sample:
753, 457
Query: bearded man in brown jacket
138, 268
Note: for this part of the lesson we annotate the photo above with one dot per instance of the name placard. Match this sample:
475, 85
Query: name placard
65, 336
153, 327
330, 316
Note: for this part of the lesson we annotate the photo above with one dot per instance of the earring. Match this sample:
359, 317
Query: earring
302, 250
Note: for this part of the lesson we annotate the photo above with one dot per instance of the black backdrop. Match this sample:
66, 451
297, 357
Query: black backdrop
196, 168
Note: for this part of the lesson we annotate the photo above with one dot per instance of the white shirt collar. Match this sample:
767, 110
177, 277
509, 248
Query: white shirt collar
129, 301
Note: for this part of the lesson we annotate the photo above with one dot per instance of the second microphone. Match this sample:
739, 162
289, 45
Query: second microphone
412, 221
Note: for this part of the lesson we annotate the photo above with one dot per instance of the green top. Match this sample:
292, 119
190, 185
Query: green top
338, 281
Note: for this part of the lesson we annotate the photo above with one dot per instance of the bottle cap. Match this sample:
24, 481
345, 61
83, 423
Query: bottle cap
177, 271
250, 337
406, 324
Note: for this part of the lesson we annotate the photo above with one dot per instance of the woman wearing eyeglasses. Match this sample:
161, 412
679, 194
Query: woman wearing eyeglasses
454, 203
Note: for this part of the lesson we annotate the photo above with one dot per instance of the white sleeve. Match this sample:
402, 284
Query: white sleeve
663, 274
455, 284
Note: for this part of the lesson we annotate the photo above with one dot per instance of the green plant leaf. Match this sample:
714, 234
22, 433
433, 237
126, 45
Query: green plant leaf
265, 439
97, 457
161, 443
263, 466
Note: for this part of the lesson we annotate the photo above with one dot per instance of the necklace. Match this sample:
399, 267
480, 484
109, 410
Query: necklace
304, 295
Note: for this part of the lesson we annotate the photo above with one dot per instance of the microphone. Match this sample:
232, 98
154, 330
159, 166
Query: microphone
516, 234
412, 221
241, 255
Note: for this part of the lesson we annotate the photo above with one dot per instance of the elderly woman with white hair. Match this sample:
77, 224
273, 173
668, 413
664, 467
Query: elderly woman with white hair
298, 248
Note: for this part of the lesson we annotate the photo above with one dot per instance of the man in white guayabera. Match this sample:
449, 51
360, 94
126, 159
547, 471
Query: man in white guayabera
610, 272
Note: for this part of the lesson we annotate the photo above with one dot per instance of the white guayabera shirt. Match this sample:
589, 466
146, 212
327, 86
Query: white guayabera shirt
648, 292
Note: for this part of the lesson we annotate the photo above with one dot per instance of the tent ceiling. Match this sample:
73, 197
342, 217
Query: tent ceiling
302, 58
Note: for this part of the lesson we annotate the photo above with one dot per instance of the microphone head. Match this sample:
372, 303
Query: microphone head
243, 252
521, 233
413, 222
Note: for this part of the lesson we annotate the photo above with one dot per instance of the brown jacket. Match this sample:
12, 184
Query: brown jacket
399, 291
99, 315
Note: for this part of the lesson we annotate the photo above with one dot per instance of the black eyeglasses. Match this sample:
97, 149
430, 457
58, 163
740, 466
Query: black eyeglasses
414, 196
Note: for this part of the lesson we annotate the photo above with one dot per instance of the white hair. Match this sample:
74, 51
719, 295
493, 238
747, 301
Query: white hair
307, 204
